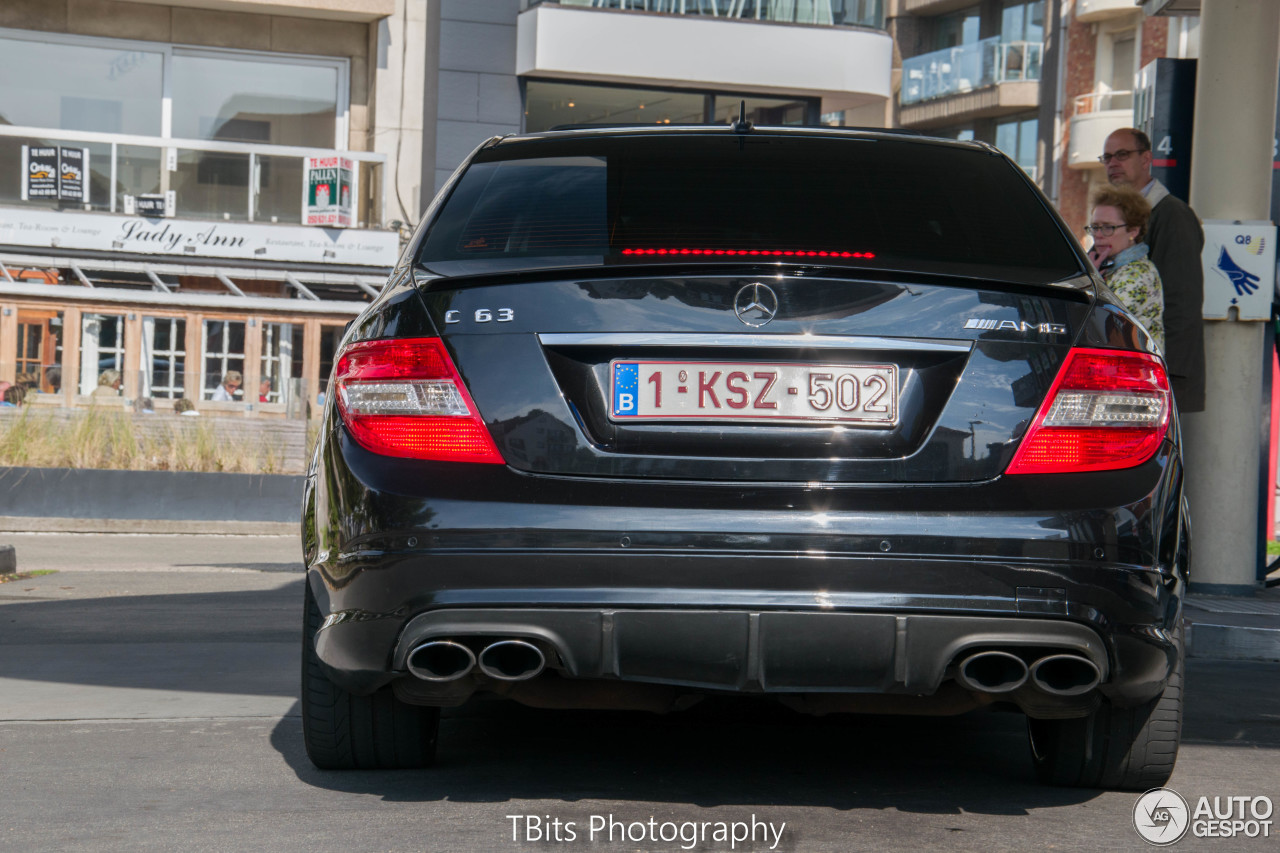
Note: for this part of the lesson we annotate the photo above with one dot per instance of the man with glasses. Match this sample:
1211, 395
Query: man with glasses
1176, 239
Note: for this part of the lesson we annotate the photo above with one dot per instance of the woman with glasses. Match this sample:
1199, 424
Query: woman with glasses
1118, 223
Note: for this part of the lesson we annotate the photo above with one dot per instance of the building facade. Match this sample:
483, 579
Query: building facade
1104, 46
196, 187
972, 70
510, 66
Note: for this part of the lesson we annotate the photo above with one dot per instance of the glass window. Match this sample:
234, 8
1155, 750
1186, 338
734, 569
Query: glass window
39, 357
957, 28
214, 185
281, 361
915, 205
223, 352
550, 105
866, 13
279, 189
101, 348
1017, 138
1022, 21
76, 87
164, 356
1123, 50
774, 111
330, 338
246, 100
98, 173
137, 171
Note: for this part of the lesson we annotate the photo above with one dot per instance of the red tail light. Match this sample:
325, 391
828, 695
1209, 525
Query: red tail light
1106, 410
405, 398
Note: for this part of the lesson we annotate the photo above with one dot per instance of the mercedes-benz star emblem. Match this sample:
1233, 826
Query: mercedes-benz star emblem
755, 304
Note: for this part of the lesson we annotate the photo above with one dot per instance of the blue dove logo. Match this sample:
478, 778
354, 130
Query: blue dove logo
1245, 282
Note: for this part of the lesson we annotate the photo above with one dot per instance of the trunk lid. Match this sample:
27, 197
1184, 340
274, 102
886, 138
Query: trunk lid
548, 360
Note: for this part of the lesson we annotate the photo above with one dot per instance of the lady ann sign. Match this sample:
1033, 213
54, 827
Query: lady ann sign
327, 192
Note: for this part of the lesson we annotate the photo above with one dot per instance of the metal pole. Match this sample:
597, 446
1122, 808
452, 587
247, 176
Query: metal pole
1231, 163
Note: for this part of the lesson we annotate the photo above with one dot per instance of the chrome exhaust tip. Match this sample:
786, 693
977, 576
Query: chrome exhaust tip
511, 660
993, 672
1065, 675
440, 660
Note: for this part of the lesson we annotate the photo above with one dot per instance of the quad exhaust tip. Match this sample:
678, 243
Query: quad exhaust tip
441, 660
511, 660
1065, 675
993, 672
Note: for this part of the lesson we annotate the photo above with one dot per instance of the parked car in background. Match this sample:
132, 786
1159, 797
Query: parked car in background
844, 418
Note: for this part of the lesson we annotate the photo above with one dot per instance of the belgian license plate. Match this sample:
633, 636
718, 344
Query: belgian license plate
865, 394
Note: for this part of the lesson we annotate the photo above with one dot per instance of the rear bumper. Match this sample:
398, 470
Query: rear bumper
740, 588
760, 641
757, 652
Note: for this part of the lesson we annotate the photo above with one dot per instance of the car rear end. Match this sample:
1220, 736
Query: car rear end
842, 418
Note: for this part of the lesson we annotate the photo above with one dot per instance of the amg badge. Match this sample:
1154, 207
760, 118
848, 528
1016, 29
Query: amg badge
1015, 326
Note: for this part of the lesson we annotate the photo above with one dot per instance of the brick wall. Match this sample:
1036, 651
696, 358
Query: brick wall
1082, 55
1155, 39
1081, 67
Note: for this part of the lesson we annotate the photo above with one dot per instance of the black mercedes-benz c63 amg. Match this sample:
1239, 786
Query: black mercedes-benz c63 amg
843, 418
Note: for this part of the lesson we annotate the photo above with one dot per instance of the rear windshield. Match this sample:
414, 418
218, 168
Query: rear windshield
856, 201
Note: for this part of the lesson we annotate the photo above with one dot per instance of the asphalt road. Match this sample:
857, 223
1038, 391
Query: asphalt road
147, 702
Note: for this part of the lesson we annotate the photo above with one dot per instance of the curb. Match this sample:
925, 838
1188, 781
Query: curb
45, 524
95, 495
1233, 642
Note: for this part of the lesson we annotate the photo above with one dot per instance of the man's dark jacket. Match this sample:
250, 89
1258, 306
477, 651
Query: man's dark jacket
1176, 240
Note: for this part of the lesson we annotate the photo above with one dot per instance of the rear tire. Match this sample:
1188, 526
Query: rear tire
1123, 749
344, 731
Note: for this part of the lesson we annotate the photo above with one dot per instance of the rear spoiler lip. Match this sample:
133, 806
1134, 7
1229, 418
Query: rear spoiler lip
1077, 288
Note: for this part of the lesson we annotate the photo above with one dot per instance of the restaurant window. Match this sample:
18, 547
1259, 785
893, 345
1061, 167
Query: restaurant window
39, 357
281, 359
330, 339
164, 357
101, 348
223, 347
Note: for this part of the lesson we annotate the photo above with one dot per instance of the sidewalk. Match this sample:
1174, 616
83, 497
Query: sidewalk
1234, 627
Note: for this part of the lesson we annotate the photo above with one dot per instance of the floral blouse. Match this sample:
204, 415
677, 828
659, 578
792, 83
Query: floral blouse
1134, 279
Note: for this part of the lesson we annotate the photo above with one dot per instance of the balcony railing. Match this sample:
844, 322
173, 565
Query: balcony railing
234, 181
1096, 102
859, 13
961, 69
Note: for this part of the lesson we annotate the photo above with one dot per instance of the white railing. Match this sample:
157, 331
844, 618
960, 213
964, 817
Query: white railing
967, 67
1096, 102
127, 171
862, 13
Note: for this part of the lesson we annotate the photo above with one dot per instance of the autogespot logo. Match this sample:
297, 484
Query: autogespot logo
1161, 816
